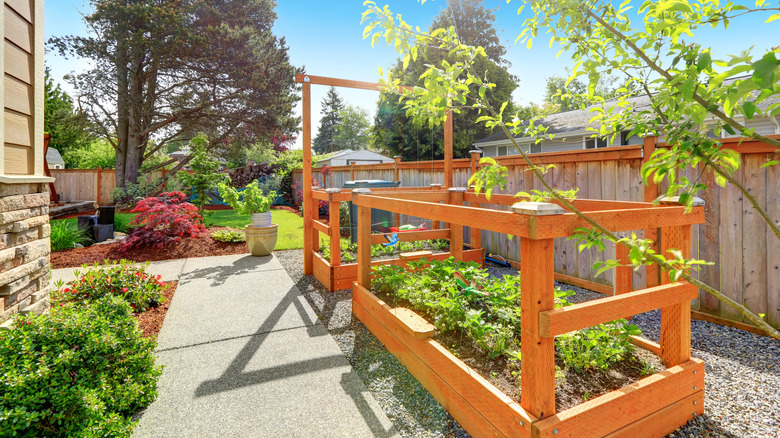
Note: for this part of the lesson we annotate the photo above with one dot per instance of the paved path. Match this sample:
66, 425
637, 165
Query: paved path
245, 356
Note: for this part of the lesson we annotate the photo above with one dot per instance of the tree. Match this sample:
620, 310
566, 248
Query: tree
204, 176
354, 131
393, 130
67, 126
166, 69
332, 106
99, 153
655, 58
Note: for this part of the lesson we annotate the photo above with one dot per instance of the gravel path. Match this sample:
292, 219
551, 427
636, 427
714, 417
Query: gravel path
743, 369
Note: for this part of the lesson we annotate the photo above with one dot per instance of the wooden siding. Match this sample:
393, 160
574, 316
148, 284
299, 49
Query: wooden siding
22, 96
744, 252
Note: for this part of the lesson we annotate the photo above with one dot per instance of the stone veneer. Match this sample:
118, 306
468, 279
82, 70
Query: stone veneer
24, 250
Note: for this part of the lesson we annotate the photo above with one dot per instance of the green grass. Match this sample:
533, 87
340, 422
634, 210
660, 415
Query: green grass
290, 233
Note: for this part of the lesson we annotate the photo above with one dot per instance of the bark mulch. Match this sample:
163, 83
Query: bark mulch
151, 321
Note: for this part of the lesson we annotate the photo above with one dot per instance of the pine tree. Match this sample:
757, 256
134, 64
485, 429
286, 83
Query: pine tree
332, 106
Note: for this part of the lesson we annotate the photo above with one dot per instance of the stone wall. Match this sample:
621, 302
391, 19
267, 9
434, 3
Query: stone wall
24, 250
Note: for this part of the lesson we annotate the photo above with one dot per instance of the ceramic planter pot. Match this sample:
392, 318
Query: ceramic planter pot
261, 219
261, 240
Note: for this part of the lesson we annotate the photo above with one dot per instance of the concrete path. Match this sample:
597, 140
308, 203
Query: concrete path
245, 356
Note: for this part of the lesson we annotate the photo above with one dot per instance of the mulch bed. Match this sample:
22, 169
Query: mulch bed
202, 246
151, 321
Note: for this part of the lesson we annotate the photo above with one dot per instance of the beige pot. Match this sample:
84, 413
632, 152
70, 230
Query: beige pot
261, 240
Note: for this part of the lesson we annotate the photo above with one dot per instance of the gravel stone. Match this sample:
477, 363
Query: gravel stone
742, 368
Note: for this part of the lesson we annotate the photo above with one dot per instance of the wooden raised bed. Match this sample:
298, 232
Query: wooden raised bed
652, 407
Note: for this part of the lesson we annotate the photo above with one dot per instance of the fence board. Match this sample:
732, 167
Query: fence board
731, 250
754, 241
773, 249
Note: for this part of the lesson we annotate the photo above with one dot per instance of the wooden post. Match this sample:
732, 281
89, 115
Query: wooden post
352, 171
476, 233
314, 213
99, 188
363, 240
456, 231
624, 273
448, 150
397, 179
435, 225
537, 283
334, 221
651, 193
308, 201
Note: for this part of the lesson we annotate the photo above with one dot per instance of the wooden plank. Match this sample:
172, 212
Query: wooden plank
675, 318
434, 196
336, 82
709, 243
731, 249
18, 160
364, 246
308, 200
18, 30
665, 421
18, 63
321, 227
653, 347
18, 128
322, 271
586, 284
701, 316
754, 233
537, 374
448, 150
594, 192
576, 156
465, 394
18, 95
334, 220
456, 231
22, 7
584, 263
414, 324
773, 251
617, 409
624, 272
579, 316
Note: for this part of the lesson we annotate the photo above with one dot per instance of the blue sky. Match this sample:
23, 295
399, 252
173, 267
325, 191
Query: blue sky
325, 36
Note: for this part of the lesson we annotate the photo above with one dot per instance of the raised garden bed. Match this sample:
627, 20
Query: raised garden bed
653, 406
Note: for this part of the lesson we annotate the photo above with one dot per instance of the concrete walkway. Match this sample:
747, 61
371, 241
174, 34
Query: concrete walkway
245, 356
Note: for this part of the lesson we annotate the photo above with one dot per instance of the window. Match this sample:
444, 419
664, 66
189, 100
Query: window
592, 143
501, 151
536, 148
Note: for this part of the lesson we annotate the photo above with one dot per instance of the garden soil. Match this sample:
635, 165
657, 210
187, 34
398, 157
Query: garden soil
151, 321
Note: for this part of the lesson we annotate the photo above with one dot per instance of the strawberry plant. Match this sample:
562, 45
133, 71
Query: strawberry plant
163, 220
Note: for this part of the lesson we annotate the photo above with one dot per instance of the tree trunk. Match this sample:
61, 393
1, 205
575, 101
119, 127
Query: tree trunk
122, 111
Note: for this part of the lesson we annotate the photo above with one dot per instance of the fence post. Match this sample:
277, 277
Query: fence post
334, 221
476, 233
456, 231
308, 200
99, 188
435, 225
537, 283
314, 213
651, 193
624, 272
448, 150
352, 170
363, 239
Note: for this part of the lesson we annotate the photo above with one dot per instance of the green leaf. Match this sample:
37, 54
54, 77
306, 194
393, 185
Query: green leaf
750, 109
704, 62
772, 18
764, 71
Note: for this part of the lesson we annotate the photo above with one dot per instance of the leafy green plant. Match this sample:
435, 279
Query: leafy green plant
205, 172
229, 235
122, 279
66, 234
131, 193
82, 371
249, 201
488, 312
122, 222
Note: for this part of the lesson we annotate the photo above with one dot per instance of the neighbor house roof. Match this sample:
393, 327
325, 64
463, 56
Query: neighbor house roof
578, 121
53, 157
347, 152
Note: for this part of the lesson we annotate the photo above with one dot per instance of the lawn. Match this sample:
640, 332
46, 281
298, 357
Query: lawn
290, 225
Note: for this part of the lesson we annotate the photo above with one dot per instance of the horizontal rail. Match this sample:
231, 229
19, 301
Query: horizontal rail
581, 204
492, 220
567, 319
413, 236
653, 347
431, 196
321, 227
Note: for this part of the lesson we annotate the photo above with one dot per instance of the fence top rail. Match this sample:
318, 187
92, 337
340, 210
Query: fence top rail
535, 227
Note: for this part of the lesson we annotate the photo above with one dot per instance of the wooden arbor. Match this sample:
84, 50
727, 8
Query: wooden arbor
653, 406
310, 237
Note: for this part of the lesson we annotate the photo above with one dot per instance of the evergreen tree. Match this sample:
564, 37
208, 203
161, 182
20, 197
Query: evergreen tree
332, 106
165, 69
354, 131
395, 134
68, 127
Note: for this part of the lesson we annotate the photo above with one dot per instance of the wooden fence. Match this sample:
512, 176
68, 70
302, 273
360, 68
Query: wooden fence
746, 255
90, 184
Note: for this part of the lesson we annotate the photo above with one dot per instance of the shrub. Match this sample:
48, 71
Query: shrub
122, 222
81, 371
250, 200
163, 220
229, 235
204, 176
131, 193
66, 234
122, 279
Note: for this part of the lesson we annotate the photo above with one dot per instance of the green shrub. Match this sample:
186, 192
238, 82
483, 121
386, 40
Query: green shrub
122, 222
66, 234
229, 235
81, 371
123, 280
